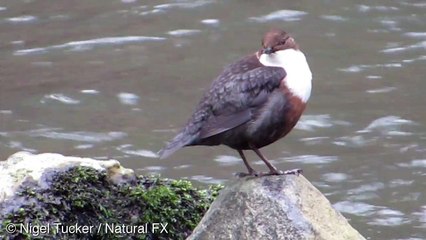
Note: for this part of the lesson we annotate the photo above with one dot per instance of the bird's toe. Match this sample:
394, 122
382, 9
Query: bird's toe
244, 174
296, 172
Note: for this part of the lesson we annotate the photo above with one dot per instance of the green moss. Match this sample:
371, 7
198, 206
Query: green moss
84, 197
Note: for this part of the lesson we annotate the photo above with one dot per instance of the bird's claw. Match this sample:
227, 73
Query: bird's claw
296, 172
243, 174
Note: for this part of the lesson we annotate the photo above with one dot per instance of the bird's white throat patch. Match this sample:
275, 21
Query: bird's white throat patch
299, 76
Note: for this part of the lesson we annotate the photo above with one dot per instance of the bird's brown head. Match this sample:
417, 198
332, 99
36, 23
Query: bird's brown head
276, 40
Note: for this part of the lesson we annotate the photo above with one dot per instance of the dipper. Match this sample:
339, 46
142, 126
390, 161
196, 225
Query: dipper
254, 102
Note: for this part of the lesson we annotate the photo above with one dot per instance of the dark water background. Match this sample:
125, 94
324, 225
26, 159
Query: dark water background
116, 79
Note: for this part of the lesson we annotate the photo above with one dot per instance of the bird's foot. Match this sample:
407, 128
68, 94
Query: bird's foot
296, 172
243, 174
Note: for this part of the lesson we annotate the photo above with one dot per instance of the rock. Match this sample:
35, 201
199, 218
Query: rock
46, 189
111, 202
273, 207
24, 167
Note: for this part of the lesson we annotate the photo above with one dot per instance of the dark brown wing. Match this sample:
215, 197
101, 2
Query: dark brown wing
231, 100
237, 93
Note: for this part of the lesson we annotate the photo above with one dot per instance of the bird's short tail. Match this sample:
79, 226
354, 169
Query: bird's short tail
181, 140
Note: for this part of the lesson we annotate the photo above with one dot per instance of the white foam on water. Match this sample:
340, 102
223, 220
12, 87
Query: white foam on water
283, 15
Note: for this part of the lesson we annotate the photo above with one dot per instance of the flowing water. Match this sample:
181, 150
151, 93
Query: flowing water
117, 79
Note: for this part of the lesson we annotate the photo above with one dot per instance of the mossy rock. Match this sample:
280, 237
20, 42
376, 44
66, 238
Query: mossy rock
84, 197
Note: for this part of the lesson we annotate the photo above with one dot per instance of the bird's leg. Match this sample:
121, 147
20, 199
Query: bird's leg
251, 171
272, 169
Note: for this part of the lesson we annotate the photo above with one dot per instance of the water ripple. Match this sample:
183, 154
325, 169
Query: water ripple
183, 166
421, 58
89, 91
184, 32
60, 98
139, 152
353, 141
374, 77
225, 160
387, 124
416, 46
208, 180
416, 34
311, 159
310, 122
356, 208
20, 146
183, 4
283, 15
366, 8
128, 98
382, 90
211, 22
414, 163
154, 169
390, 24
335, 177
79, 136
334, 18
389, 221
21, 19
389, 217
370, 187
421, 214
419, 4
314, 140
363, 67
87, 44
84, 146
6, 112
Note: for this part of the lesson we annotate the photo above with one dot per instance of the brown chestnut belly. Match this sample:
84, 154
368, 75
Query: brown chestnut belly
271, 122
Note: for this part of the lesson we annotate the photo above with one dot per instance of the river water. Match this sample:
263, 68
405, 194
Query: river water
117, 79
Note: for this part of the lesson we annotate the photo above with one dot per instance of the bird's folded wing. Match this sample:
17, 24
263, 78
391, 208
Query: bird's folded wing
222, 123
234, 98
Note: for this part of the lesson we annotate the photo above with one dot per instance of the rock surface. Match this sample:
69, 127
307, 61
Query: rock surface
24, 167
50, 188
273, 207
93, 199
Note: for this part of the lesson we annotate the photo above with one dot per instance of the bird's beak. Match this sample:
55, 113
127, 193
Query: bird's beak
267, 50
